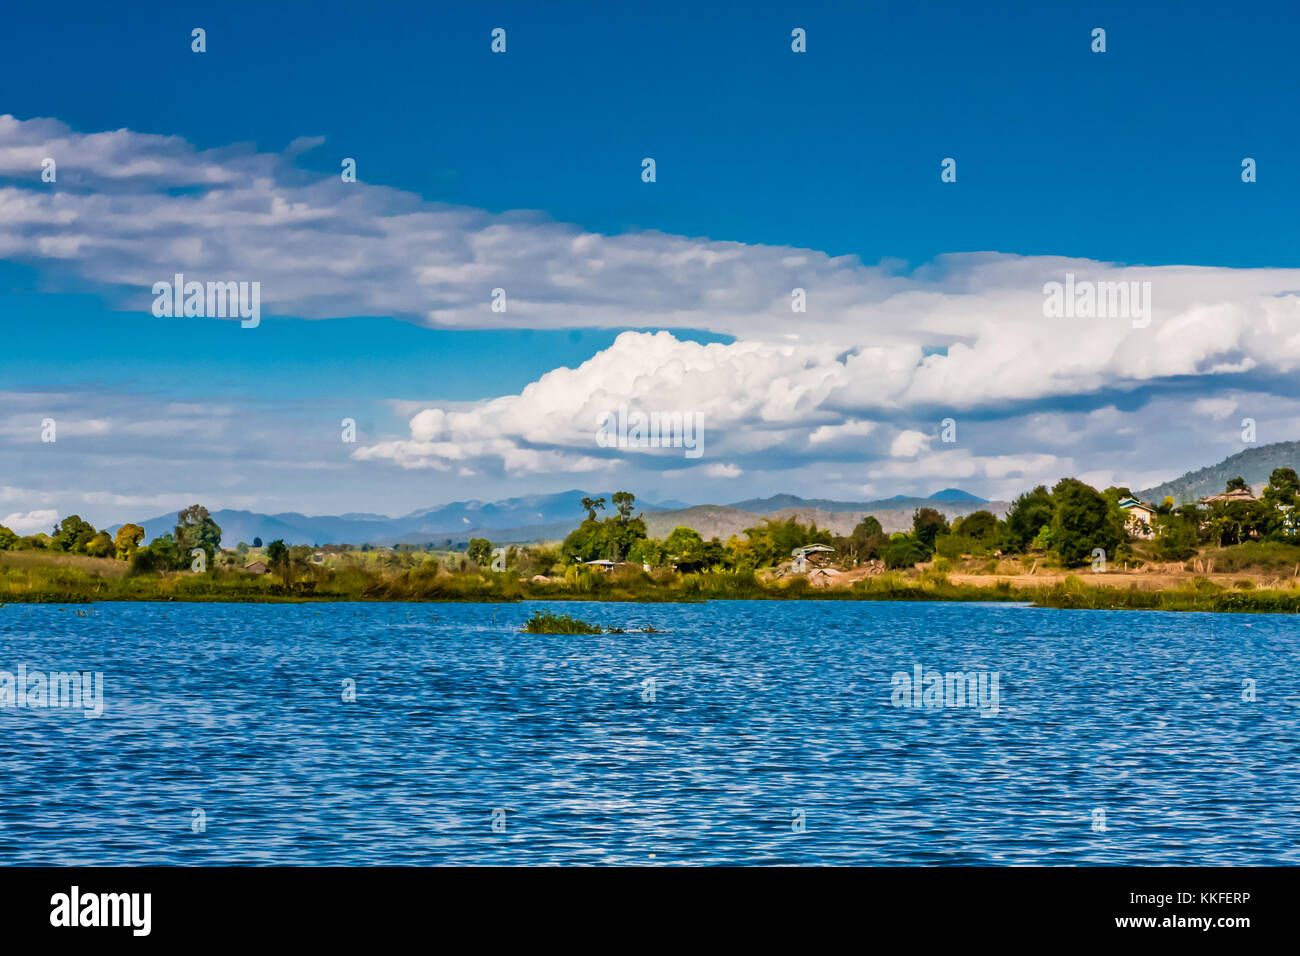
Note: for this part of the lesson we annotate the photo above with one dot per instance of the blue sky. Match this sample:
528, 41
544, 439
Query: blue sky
1129, 158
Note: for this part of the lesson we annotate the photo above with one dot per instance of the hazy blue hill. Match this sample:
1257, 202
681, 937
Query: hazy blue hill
784, 502
292, 527
1253, 464
549, 517
956, 494
526, 518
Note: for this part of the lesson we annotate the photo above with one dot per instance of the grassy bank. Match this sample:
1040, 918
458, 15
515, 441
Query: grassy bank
71, 582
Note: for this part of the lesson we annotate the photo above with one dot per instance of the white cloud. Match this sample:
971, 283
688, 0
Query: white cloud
908, 444
323, 248
1216, 408
719, 470
31, 522
827, 435
863, 377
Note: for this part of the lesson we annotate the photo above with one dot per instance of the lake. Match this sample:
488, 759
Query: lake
745, 732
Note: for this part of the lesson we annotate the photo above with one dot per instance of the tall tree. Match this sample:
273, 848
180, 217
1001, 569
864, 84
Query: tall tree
72, 534
1027, 516
686, 548
624, 501
928, 524
978, 525
480, 551
196, 529
1082, 521
866, 541
1283, 488
127, 540
277, 558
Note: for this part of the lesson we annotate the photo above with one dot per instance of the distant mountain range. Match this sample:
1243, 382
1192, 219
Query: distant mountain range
552, 516
780, 502
1253, 464
840, 517
537, 516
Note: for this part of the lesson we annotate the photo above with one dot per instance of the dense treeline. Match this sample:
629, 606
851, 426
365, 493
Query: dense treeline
1069, 525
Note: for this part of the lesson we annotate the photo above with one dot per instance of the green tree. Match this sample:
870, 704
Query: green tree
903, 551
300, 561
1233, 522
623, 501
277, 559
928, 524
160, 555
196, 529
685, 548
978, 525
612, 538
1282, 496
648, 551
1082, 520
100, 546
72, 534
8, 540
1237, 484
1283, 488
1115, 494
1176, 537
480, 551
1027, 516
867, 540
772, 542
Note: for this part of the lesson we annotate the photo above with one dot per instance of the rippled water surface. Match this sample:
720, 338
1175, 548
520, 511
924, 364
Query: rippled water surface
766, 717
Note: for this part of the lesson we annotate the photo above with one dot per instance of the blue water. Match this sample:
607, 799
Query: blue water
766, 716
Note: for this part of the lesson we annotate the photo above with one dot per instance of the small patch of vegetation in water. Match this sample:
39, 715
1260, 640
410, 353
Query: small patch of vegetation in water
544, 622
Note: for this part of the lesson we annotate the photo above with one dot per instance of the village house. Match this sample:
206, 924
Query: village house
1237, 494
255, 567
1139, 519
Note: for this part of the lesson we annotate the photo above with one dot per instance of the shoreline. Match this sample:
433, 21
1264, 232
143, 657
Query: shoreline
1071, 594
27, 578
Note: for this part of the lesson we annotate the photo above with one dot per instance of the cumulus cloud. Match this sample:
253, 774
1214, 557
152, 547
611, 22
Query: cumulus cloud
907, 444
962, 330
721, 470
31, 522
864, 375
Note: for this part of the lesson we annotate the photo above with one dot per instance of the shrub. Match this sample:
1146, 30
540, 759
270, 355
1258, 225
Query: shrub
544, 622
